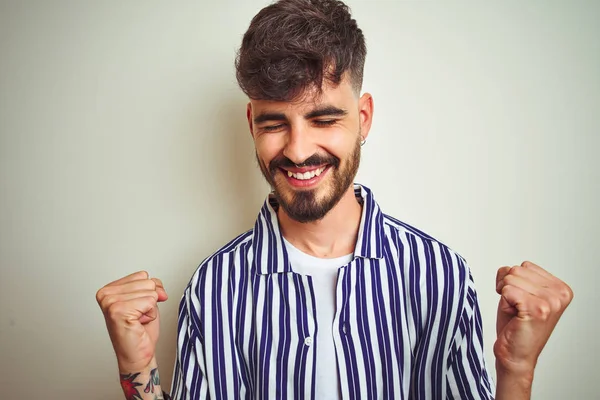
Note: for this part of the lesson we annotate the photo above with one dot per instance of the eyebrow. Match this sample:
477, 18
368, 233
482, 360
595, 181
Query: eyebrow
269, 116
318, 112
326, 111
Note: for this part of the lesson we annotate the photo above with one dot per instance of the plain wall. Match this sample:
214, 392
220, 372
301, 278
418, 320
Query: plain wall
124, 146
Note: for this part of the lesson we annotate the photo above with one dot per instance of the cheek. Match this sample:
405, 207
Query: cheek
340, 143
267, 148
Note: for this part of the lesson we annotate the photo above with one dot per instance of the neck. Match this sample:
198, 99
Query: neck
332, 236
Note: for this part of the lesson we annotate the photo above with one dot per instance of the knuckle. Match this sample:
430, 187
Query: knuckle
565, 294
509, 280
105, 303
114, 310
108, 301
543, 311
517, 271
555, 305
100, 294
501, 273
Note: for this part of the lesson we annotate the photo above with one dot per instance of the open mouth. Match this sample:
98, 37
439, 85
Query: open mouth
303, 177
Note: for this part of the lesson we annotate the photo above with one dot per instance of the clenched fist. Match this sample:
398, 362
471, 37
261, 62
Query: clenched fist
532, 301
130, 307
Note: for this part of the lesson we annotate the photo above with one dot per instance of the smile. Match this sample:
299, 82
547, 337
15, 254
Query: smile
304, 178
306, 175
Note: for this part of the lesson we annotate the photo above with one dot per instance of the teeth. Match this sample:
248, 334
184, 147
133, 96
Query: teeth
306, 175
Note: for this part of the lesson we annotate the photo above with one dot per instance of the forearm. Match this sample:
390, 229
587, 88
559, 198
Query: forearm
143, 385
513, 385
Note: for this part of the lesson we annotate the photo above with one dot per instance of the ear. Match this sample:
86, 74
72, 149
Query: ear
365, 114
249, 117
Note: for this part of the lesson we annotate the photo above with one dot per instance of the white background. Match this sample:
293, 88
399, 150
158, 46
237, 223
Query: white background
124, 147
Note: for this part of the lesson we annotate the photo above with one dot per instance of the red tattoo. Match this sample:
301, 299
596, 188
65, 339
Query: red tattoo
130, 387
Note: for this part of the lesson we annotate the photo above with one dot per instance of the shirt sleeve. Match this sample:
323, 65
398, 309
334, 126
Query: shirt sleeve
189, 376
468, 377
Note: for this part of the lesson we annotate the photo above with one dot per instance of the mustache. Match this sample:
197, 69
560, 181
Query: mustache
312, 161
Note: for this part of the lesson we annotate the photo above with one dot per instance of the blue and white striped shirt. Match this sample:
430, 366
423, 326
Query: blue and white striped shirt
407, 323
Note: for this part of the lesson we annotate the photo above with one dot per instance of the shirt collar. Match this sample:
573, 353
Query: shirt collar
270, 255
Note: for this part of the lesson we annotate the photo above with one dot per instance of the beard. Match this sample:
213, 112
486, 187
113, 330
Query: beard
308, 205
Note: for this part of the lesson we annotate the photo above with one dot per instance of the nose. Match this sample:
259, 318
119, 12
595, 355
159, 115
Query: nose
299, 145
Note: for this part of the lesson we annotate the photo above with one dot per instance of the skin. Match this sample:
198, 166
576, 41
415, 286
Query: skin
293, 134
531, 299
130, 308
531, 303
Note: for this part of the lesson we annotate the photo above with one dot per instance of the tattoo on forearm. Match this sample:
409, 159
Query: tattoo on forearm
154, 380
130, 386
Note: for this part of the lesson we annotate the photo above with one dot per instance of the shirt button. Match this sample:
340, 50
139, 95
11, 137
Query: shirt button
308, 341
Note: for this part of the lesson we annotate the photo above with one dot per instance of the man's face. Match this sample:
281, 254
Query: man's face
309, 149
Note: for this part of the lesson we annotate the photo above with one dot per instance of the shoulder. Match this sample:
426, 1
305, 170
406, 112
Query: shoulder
398, 227
231, 257
425, 253
210, 283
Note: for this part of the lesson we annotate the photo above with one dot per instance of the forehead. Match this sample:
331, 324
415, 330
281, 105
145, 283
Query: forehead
341, 95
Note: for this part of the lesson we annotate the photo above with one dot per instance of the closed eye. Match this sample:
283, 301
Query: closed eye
324, 122
271, 128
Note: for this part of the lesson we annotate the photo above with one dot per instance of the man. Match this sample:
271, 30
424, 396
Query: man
327, 297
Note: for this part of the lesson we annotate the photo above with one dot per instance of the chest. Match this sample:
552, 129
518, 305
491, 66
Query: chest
378, 330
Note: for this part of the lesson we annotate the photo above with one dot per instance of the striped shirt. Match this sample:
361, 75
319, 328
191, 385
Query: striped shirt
407, 323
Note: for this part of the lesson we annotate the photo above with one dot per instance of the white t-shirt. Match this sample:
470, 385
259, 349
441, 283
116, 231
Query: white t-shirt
324, 272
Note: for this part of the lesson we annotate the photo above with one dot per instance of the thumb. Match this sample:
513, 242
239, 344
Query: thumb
502, 272
143, 309
149, 315
506, 312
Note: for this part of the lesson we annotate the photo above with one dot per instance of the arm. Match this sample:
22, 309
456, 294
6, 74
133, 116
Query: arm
532, 301
467, 376
513, 385
131, 313
190, 375
144, 384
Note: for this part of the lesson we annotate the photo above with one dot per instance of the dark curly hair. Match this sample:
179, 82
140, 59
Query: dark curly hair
295, 45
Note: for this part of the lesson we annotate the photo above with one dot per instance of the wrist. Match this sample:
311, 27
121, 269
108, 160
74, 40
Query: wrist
142, 367
512, 369
141, 382
518, 378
